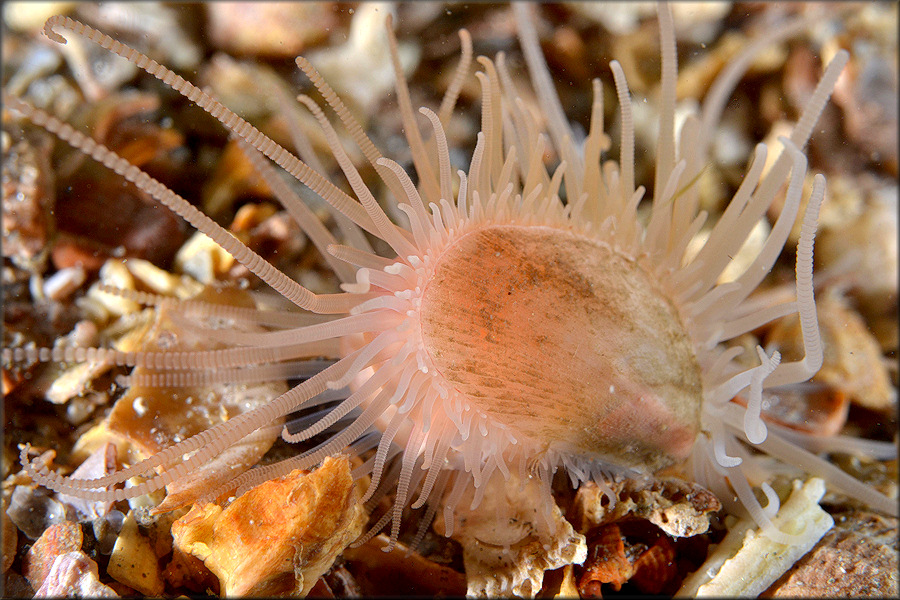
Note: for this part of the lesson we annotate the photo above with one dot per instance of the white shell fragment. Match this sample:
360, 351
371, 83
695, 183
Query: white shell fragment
360, 68
509, 541
760, 560
64, 282
74, 575
203, 259
679, 508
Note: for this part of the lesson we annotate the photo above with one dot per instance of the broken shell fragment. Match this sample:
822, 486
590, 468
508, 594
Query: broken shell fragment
678, 507
203, 259
761, 560
359, 69
606, 562
636, 552
863, 248
656, 567
512, 537
28, 221
32, 510
813, 408
74, 575
279, 537
133, 561
281, 29
57, 540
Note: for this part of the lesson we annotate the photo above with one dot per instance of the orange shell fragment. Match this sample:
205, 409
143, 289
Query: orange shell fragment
606, 562
655, 568
278, 538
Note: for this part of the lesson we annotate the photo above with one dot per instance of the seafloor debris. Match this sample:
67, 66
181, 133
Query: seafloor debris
400, 572
74, 575
203, 259
101, 462
278, 538
280, 29
760, 559
360, 69
512, 537
678, 507
133, 561
868, 95
644, 557
860, 252
28, 197
32, 510
857, 558
9, 539
56, 540
606, 562
633, 532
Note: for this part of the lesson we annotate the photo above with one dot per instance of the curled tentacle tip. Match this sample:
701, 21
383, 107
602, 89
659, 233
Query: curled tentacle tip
48, 31
772, 501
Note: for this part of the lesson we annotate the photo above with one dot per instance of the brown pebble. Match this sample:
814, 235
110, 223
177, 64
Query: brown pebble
56, 540
400, 572
103, 218
70, 251
185, 570
857, 558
